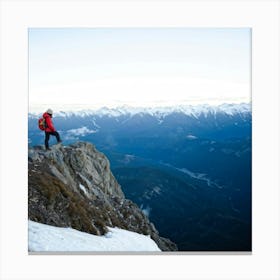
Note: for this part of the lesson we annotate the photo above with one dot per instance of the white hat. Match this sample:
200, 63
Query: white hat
50, 111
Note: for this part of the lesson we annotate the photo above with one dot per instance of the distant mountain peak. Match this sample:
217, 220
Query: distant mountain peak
160, 112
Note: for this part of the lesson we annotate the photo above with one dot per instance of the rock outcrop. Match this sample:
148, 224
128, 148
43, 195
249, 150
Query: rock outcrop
72, 186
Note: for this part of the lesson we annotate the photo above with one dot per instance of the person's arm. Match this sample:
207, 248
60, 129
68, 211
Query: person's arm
50, 124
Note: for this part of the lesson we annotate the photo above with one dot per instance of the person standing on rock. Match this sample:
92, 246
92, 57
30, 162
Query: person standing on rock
49, 128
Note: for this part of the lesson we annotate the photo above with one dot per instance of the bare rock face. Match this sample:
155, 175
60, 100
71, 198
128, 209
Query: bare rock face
72, 186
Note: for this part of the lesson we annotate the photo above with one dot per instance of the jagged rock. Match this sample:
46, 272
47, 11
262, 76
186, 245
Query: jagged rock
73, 186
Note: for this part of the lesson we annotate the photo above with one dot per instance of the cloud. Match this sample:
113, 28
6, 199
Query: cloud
128, 158
146, 210
82, 131
191, 137
147, 92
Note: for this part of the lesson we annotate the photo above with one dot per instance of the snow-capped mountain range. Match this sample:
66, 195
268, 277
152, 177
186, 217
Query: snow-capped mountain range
188, 120
190, 110
160, 155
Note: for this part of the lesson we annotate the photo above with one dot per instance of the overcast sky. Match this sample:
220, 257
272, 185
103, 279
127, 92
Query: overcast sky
138, 66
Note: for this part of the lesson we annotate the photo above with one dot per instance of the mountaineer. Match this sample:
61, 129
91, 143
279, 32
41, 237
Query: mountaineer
46, 124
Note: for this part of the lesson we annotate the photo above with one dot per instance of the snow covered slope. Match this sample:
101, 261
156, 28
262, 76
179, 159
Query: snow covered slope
44, 238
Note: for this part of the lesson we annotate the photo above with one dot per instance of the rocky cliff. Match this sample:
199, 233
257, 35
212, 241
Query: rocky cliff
72, 186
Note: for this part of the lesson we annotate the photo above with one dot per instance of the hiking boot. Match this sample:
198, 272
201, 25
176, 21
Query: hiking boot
48, 149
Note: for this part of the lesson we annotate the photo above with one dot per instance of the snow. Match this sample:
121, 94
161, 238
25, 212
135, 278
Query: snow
45, 238
160, 112
95, 124
83, 188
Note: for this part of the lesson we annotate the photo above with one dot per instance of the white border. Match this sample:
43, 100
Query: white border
262, 16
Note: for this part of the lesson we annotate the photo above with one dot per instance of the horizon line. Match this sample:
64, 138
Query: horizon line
37, 108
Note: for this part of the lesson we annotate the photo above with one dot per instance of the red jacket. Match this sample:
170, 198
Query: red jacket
48, 119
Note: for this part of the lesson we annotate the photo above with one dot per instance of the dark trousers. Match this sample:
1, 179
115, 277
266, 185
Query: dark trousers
47, 137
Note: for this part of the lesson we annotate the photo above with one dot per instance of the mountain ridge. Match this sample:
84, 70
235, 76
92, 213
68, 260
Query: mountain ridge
158, 111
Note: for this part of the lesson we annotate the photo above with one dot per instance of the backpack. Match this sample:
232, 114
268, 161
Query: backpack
42, 124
